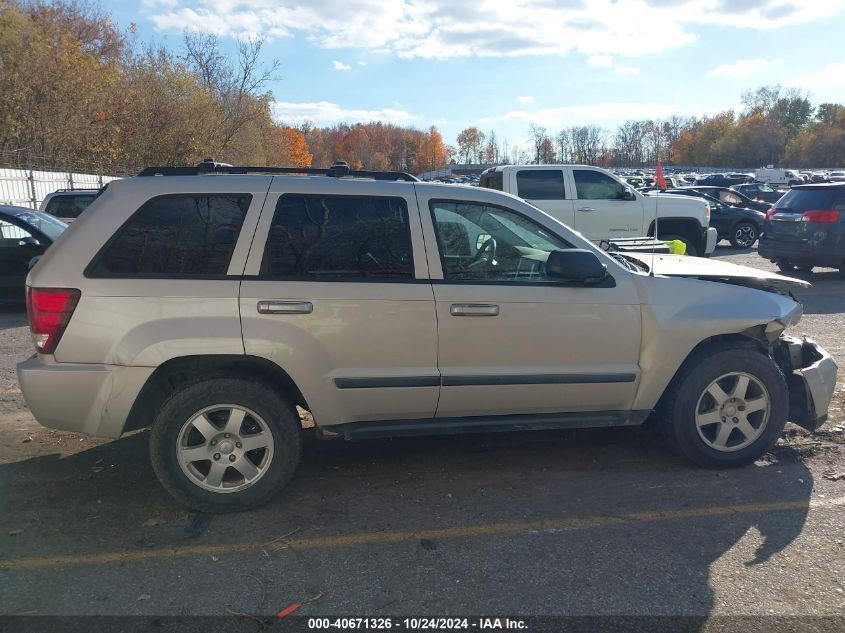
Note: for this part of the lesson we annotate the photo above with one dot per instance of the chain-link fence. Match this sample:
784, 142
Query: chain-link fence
25, 180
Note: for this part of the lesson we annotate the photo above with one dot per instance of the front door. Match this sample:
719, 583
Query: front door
336, 293
511, 340
601, 211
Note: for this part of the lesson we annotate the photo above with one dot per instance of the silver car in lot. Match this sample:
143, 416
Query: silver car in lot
208, 303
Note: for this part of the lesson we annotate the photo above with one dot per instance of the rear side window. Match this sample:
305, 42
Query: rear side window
492, 180
813, 200
68, 206
175, 235
345, 237
540, 184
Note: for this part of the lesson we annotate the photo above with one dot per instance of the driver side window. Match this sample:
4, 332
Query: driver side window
481, 242
594, 185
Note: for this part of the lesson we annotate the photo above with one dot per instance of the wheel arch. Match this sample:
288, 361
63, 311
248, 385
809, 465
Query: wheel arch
183, 370
752, 339
686, 227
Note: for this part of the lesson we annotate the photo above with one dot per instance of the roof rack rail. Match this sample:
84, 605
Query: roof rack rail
338, 170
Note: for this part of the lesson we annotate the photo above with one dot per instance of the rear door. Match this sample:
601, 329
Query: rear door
545, 189
600, 210
336, 293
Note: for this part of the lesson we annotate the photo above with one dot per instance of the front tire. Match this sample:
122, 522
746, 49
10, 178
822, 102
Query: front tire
225, 445
743, 235
727, 408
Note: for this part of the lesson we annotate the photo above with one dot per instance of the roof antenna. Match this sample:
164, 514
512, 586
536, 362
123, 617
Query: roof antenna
660, 181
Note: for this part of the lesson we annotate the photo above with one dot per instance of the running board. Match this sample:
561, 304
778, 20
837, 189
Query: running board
485, 424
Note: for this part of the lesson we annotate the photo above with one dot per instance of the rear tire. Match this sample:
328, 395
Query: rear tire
785, 266
743, 235
225, 445
727, 408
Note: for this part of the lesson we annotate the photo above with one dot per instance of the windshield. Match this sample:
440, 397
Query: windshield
48, 225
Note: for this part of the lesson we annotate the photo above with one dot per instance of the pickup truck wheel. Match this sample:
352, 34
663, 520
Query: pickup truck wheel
224, 445
691, 249
728, 408
743, 235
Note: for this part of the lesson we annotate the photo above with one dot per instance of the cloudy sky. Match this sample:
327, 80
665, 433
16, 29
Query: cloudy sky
503, 64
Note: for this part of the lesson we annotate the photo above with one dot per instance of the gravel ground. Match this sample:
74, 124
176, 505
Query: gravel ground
589, 522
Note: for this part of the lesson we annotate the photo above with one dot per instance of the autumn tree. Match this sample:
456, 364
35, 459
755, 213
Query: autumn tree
470, 140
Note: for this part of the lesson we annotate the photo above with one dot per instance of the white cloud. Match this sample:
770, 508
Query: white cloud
569, 115
744, 68
626, 70
327, 112
442, 29
340, 65
831, 76
525, 99
360, 63
600, 61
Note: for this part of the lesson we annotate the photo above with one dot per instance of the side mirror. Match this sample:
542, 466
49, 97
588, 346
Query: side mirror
28, 241
576, 265
626, 194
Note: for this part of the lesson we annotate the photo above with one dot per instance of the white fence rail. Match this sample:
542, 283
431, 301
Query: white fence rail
28, 187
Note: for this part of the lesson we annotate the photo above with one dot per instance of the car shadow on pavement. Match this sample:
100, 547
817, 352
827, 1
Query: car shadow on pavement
595, 522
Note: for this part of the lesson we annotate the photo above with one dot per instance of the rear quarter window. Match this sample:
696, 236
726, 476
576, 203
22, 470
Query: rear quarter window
175, 235
492, 180
68, 206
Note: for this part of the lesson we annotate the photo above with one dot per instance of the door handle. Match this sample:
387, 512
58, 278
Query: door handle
474, 309
586, 209
285, 307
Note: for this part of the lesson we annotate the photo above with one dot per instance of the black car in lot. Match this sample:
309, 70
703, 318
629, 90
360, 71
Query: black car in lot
24, 234
759, 191
733, 198
806, 228
741, 226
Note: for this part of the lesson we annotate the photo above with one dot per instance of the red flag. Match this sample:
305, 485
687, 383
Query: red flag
659, 179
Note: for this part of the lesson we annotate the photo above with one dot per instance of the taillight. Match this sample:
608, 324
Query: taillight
49, 312
823, 216
770, 213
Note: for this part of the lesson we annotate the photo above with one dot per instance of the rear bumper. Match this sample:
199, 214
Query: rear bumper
811, 382
824, 247
83, 398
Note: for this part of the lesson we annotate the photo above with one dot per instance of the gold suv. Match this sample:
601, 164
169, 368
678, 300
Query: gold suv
209, 303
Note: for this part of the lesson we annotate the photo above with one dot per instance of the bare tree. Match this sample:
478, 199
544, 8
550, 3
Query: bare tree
538, 134
236, 86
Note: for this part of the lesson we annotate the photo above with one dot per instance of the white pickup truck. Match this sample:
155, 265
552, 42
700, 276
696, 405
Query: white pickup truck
598, 205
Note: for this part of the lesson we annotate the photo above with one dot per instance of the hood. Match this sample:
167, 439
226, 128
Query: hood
714, 270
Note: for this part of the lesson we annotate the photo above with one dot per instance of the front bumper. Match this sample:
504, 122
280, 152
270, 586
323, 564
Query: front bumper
83, 398
711, 237
811, 380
